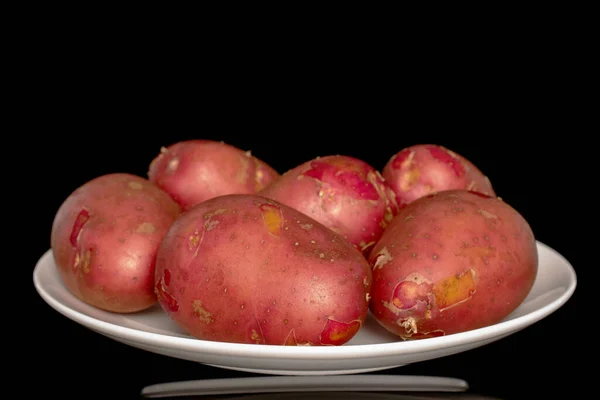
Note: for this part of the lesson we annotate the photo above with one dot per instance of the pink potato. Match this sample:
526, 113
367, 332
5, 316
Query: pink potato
193, 171
246, 269
451, 262
422, 169
105, 236
345, 194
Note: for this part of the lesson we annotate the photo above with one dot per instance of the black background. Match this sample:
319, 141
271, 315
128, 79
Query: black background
96, 115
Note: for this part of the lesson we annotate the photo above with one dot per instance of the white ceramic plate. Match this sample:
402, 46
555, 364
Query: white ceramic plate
371, 349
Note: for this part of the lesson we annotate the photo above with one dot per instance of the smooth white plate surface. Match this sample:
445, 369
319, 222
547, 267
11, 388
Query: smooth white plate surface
371, 349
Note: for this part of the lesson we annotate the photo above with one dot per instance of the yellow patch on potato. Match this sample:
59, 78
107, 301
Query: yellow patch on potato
146, 227
409, 178
83, 261
455, 289
272, 217
290, 339
201, 312
135, 185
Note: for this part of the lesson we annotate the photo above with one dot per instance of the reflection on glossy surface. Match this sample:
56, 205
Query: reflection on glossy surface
300, 384
345, 396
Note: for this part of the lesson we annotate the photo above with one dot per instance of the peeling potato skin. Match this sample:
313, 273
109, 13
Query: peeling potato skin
345, 194
105, 236
244, 269
470, 259
422, 169
193, 171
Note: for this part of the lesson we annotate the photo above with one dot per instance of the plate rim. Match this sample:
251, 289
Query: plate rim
372, 350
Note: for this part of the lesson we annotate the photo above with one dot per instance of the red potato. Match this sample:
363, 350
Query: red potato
422, 169
193, 171
246, 269
345, 194
105, 236
451, 262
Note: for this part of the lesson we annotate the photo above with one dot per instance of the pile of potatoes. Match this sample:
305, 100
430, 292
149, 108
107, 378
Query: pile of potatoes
235, 252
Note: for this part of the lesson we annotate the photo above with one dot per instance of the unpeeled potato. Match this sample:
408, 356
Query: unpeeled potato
105, 236
246, 269
451, 262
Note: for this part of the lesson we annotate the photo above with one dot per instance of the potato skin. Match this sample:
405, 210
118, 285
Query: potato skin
451, 262
105, 236
345, 194
193, 171
246, 269
419, 170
